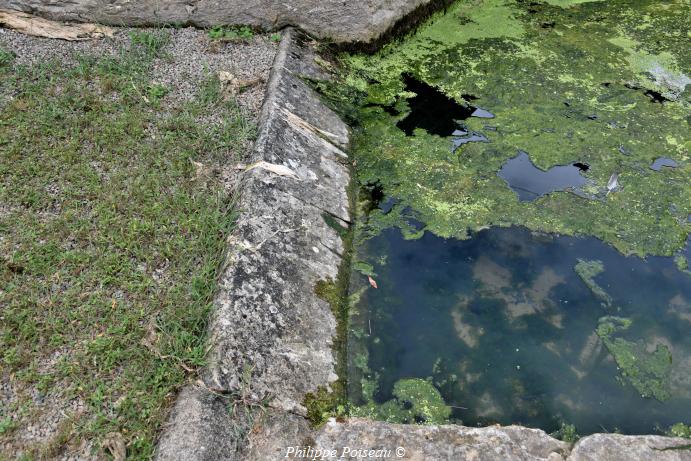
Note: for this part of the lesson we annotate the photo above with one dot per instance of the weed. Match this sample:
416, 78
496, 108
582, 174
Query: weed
151, 42
7, 425
210, 90
276, 37
6, 57
156, 91
567, 433
231, 33
680, 430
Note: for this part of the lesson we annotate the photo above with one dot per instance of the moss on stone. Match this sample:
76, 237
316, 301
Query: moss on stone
647, 372
325, 403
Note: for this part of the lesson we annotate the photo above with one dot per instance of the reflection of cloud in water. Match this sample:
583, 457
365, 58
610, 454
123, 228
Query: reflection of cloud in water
680, 307
467, 333
486, 407
680, 376
520, 301
490, 274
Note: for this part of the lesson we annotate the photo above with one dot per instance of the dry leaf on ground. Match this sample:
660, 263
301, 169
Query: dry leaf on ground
115, 444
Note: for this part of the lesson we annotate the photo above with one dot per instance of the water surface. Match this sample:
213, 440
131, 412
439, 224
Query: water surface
505, 328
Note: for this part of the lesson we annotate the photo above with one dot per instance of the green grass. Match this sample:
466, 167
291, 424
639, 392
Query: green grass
109, 242
231, 33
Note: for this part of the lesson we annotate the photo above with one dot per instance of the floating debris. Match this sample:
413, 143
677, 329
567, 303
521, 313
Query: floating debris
613, 183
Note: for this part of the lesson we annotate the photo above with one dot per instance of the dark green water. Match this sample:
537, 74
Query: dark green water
504, 327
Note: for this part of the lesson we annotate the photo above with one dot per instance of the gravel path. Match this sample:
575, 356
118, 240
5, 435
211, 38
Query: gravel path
189, 57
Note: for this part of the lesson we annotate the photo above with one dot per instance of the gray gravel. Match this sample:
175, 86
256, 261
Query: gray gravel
189, 58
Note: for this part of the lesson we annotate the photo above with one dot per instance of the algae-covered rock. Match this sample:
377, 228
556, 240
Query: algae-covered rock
648, 372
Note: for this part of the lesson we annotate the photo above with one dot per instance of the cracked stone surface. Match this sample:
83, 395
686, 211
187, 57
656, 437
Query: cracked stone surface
268, 320
338, 20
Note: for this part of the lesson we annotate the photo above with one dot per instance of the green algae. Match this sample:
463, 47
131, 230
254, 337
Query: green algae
647, 372
568, 3
680, 430
415, 401
587, 271
565, 85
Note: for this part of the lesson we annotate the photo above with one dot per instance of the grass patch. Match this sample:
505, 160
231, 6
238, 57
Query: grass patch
110, 241
231, 33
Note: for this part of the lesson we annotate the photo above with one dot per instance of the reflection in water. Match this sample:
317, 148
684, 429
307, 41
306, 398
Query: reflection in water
509, 332
530, 182
661, 162
433, 111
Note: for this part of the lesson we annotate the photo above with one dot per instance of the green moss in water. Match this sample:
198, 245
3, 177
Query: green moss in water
415, 401
566, 85
587, 271
567, 433
680, 430
647, 372
324, 404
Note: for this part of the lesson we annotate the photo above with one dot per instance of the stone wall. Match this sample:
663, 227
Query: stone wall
338, 20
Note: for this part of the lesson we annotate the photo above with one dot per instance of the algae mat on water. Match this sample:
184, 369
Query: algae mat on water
600, 84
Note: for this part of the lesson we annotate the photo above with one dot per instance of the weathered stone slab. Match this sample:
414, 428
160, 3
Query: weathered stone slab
269, 327
270, 334
615, 447
406, 442
339, 20
203, 429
